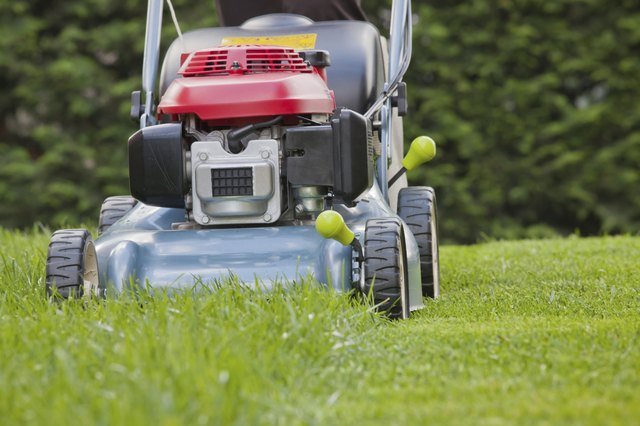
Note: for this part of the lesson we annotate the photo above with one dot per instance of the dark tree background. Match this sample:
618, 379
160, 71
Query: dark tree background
534, 105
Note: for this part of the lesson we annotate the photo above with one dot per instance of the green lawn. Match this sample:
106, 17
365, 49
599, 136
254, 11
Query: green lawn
528, 332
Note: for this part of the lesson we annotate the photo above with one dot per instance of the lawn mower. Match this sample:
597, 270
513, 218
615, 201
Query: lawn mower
267, 159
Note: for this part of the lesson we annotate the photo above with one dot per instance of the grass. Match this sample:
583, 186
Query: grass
529, 332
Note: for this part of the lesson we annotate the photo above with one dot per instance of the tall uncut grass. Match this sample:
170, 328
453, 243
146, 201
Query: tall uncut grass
530, 332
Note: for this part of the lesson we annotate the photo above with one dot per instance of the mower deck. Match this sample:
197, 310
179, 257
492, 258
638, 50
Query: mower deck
143, 249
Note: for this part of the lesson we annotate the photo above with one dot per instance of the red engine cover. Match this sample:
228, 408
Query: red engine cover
247, 81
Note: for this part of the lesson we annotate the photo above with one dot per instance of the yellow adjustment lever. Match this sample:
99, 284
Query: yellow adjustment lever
330, 224
422, 150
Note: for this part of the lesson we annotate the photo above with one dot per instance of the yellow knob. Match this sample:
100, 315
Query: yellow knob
422, 149
330, 224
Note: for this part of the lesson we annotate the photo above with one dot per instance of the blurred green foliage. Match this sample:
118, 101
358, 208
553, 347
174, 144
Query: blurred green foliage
534, 105
66, 73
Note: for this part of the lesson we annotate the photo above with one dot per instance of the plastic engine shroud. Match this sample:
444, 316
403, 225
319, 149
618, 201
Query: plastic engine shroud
247, 81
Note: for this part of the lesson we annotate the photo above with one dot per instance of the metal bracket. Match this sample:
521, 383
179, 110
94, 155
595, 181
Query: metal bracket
357, 275
400, 100
137, 107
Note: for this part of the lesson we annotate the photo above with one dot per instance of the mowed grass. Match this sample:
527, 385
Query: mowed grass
530, 332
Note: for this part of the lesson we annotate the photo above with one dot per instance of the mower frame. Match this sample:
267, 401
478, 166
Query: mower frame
148, 247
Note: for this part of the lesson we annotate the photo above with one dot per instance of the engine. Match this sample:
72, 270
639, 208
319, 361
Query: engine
251, 135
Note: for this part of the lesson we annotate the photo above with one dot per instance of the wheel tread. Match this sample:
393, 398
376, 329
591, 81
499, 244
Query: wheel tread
113, 209
65, 257
414, 207
382, 273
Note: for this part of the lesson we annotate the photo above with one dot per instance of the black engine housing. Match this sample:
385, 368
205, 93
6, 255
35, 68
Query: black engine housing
157, 158
339, 154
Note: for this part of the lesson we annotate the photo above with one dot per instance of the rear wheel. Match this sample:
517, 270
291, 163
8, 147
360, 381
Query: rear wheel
72, 265
417, 207
385, 271
113, 209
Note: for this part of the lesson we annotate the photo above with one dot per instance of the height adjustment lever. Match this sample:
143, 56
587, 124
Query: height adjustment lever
330, 224
422, 150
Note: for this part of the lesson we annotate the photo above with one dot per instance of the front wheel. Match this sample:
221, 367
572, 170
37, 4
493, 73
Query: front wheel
385, 266
72, 265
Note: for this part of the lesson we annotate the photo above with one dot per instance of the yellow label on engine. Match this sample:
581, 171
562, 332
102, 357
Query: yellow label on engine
295, 41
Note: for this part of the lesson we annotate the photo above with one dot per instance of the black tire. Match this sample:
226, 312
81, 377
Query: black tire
72, 265
385, 271
113, 209
417, 207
